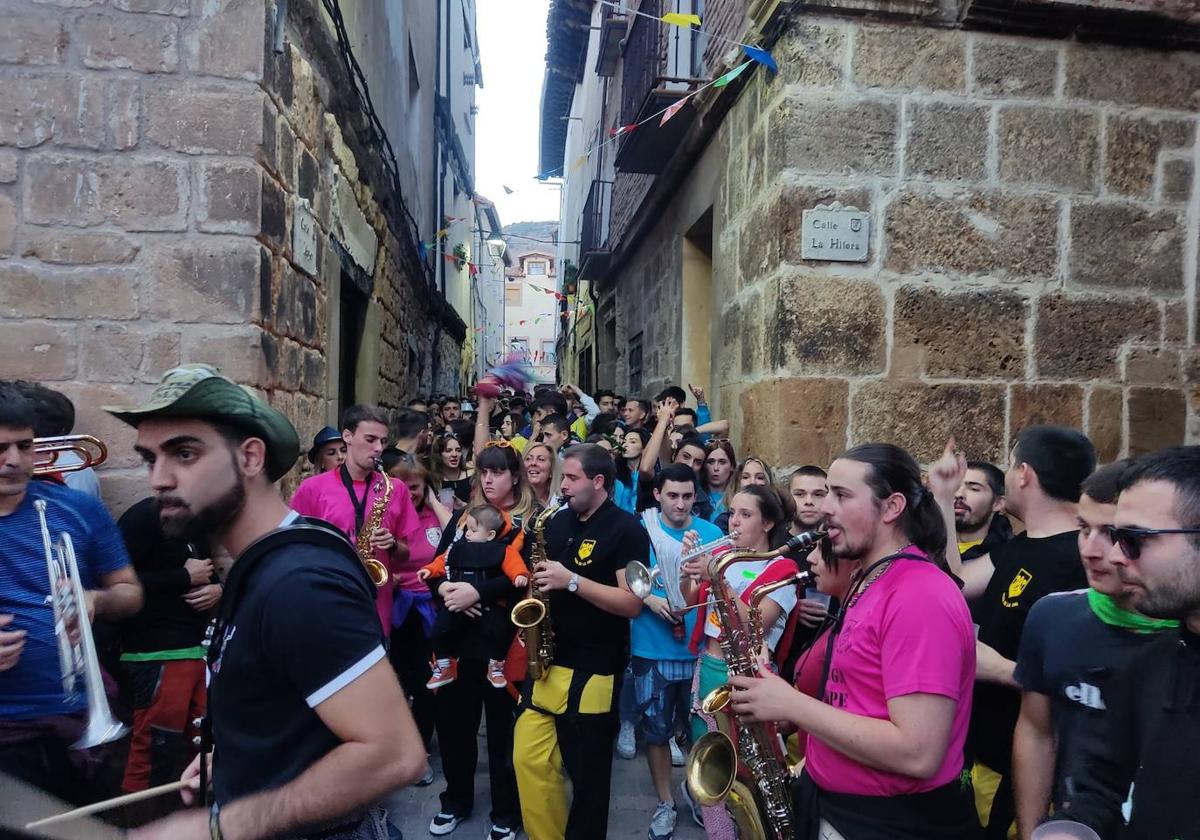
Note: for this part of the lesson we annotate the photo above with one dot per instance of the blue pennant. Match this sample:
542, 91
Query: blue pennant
762, 57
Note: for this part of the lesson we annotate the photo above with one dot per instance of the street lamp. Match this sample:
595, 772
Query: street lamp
496, 247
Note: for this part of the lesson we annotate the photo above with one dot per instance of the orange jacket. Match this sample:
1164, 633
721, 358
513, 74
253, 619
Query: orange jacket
513, 565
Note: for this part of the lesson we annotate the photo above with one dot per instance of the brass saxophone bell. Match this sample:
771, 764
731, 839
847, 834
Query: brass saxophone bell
528, 612
377, 572
711, 768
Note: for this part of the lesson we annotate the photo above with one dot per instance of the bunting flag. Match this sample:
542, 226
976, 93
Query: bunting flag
678, 19
443, 233
472, 269
621, 129
731, 75
423, 251
579, 161
674, 109
762, 57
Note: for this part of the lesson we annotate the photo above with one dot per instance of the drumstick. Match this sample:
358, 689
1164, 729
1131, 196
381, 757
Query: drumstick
108, 804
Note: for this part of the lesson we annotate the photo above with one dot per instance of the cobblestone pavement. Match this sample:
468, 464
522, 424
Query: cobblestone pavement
632, 803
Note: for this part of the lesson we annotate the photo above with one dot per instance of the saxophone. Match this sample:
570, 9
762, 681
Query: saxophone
532, 613
378, 572
740, 763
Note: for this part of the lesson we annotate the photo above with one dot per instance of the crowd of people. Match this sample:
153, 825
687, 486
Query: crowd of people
966, 651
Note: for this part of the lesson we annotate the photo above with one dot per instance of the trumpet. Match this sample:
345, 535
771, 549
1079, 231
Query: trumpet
91, 451
77, 660
725, 542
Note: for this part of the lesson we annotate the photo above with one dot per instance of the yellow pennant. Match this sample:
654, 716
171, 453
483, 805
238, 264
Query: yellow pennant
677, 19
579, 161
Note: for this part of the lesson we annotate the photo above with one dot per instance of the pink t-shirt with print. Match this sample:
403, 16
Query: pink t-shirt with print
324, 496
422, 549
909, 633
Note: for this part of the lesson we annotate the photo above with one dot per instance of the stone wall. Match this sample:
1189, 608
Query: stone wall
1033, 252
152, 156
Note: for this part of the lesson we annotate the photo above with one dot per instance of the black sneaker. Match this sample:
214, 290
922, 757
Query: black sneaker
500, 832
443, 823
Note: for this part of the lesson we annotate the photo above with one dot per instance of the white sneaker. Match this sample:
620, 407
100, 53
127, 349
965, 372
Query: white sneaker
627, 740
443, 823
678, 759
662, 824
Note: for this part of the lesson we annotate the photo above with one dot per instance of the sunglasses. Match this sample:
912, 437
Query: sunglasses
1130, 540
502, 443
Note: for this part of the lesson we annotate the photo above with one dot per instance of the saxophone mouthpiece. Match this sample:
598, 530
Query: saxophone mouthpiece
804, 539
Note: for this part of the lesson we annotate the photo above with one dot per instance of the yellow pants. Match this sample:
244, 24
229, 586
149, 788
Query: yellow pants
985, 780
552, 747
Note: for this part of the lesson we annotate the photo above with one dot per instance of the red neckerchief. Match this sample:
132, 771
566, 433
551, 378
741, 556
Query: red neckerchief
778, 569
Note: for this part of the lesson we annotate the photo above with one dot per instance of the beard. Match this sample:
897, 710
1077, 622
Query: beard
214, 518
968, 519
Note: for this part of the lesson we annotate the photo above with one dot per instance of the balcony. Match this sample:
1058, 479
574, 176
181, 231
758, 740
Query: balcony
594, 249
613, 26
662, 64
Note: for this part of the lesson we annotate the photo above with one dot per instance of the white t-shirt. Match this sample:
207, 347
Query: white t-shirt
740, 577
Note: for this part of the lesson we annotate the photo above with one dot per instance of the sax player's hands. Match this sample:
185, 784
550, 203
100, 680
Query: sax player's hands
12, 642
551, 575
766, 697
382, 540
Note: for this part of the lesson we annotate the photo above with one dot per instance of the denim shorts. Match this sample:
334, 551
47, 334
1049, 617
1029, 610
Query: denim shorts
662, 691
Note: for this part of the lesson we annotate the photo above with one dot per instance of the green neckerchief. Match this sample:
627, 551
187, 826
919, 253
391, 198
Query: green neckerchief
1106, 610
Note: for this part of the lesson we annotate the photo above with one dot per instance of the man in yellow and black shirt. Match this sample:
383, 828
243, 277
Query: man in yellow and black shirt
568, 720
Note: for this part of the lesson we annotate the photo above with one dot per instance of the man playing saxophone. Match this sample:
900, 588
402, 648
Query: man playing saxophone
568, 719
39, 720
884, 755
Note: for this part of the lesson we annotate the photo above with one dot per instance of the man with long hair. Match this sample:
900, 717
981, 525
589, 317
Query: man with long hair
886, 735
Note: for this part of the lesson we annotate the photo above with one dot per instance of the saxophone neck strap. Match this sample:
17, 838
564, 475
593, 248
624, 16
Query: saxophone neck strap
359, 505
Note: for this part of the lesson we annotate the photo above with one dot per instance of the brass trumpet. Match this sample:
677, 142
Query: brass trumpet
91, 451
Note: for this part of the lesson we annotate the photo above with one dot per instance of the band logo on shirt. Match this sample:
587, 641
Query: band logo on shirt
1016, 587
584, 556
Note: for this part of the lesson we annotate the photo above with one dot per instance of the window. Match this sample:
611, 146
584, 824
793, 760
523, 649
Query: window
352, 320
537, 268
549, 351
635, 365
519, 345
513, 294
585, 370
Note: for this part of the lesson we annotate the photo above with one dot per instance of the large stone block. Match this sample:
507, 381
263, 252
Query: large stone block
1152, 365
946, 141
8, 225
1157, 419
1176, 187
1049, 147
771, 234
91, 418
8, 166
910, 57
972, 232
236, 351
146, 43
1132, 149
812, 55
827, 325
225, 39
37, 350
30, 39
1044, 404
1081, 338
214, 281
834, 136
202, 119
759, 310
177, 8
970, 335
922, 417
1105, 422
1147, 78
67, 248
29, 292
123, 353
230, 197
132, 192
49, 106
1125, 246
789, 422
1010, 68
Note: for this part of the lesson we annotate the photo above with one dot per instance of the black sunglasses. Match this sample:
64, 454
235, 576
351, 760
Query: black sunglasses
1130, 540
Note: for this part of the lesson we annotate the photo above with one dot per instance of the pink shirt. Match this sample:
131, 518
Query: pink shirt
909, 633
324, 496
422, 548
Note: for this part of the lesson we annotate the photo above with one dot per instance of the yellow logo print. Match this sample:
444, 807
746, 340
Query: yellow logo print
1015, 588
584, 556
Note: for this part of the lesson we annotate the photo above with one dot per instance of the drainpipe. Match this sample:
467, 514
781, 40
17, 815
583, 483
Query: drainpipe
439, 263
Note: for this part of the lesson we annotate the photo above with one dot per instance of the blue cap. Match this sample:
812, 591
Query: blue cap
326, 435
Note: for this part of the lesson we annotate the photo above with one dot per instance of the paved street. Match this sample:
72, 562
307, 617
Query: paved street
633, 802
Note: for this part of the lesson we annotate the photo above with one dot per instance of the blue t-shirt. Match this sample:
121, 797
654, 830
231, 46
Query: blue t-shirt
718, 505
625, 495
653, 638
33, 688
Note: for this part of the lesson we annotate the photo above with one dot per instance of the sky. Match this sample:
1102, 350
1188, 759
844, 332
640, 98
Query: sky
512, 44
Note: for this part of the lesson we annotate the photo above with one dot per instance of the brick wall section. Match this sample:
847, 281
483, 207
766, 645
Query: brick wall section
151, 158
1033, 254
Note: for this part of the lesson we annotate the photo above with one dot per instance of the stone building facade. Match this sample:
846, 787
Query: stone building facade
186, 181
1034, 217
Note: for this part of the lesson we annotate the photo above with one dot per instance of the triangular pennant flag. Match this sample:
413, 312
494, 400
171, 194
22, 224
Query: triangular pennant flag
579, 161
621, 129
731, 75
474, 269
423, 251
443, 233
673, 109
677, 19
762, 57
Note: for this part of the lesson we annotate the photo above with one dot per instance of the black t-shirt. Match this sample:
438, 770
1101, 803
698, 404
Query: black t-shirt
1026, 570
586, 637
166, 622
304, 626
1072, 657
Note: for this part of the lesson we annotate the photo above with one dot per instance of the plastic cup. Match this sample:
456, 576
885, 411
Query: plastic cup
1063, 830
817, 597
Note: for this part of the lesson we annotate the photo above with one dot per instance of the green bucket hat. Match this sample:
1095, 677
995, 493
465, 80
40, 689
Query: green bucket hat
200, 392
